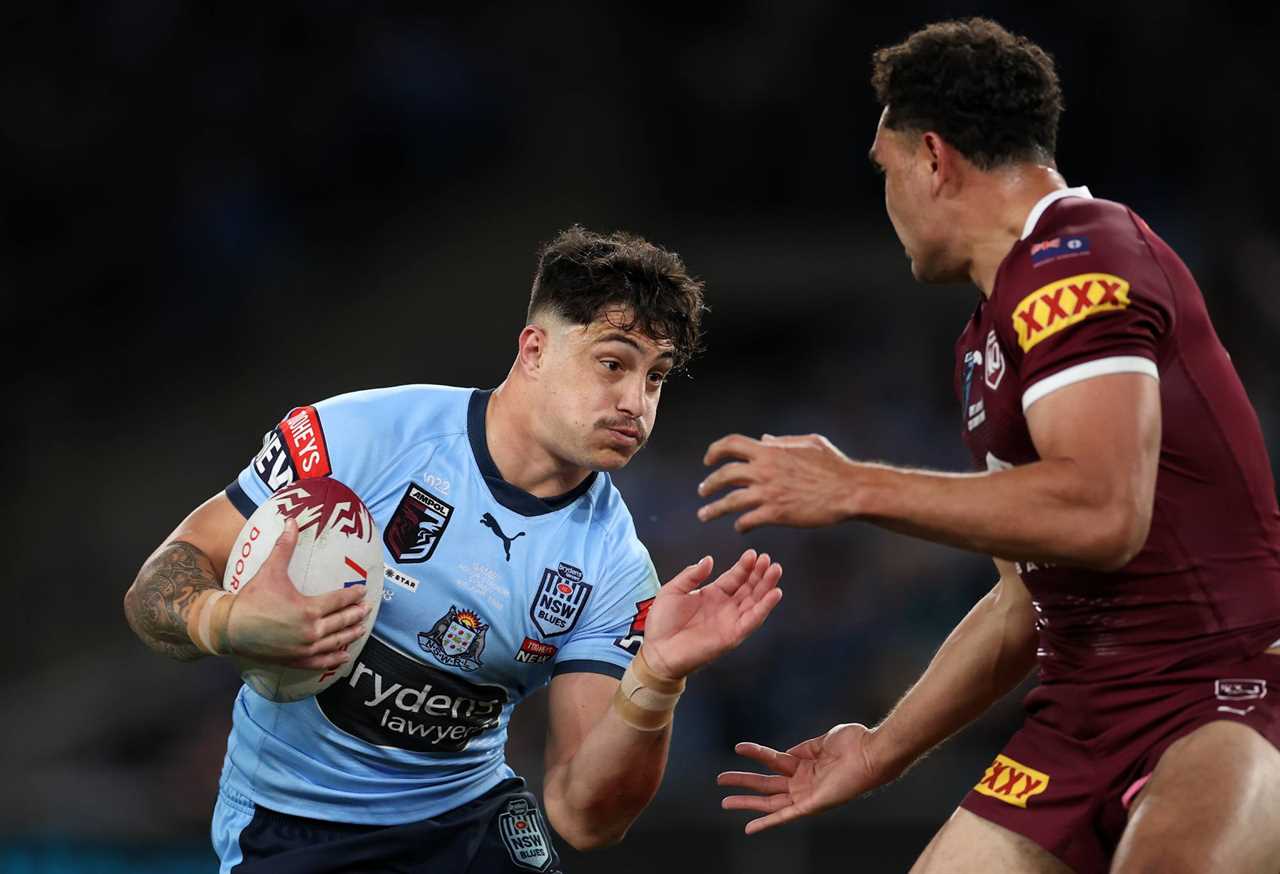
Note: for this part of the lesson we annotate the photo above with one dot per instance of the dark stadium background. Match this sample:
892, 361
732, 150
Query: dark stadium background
211, 214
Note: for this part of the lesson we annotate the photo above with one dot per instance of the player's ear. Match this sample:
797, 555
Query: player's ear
532, 349
943, 161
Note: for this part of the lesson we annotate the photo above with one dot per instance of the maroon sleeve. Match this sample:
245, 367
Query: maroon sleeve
1113, 302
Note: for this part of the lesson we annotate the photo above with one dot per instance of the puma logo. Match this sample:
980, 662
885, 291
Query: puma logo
492, 524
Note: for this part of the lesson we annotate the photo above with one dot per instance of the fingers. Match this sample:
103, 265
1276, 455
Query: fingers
692, 576
763, 578
769, 784
750, 521
737, 500
758, 803
323, 662
332, 602
336, 642
758, 613
737, 473
809, 749
342, 620
734, 446
285, 544
775, 761
786, 814
734, 579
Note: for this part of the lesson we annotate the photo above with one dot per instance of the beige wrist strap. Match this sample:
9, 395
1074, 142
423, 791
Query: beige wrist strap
207, 622
644, 700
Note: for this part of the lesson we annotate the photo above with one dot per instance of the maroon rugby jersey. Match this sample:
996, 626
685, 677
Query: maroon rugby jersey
1091, 290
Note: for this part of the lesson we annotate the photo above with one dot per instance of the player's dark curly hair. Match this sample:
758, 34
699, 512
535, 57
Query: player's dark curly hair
580, 272
992, 95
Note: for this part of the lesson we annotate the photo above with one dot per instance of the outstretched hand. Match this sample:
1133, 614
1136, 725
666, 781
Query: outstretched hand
802, 482
689, 627
810, 777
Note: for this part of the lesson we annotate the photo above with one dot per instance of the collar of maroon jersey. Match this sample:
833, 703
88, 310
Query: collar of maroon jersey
1044, 203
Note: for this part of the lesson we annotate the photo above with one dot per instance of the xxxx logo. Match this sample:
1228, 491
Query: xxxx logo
1061, 304
1012, 782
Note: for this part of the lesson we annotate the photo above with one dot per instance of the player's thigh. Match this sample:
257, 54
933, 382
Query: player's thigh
969, 844
1212, 804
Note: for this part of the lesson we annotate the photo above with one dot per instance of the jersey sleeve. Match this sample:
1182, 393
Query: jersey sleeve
331, 438
611, 633
1107, 312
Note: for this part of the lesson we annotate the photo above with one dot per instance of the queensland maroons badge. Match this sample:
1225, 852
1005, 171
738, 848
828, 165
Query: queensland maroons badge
415, 528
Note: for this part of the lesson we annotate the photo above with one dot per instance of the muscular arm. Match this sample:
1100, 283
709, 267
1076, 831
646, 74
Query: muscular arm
601, 772
190, 561
987, 654
1087, 502
604, 763
270, 620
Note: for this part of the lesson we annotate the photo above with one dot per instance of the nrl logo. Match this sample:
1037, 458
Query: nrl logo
523, 836
457, 639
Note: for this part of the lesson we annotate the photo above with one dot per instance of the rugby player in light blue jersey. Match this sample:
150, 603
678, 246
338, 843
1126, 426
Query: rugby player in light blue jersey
511, 563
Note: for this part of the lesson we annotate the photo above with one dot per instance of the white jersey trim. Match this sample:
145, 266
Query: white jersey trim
1044, 203
1088, 370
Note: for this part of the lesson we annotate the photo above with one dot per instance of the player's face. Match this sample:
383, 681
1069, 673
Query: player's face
914, 211
602, 386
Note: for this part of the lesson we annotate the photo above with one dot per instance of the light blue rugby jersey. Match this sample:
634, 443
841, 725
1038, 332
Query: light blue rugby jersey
488, 593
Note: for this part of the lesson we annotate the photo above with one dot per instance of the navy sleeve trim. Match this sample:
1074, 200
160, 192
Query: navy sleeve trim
243, 502
588, 666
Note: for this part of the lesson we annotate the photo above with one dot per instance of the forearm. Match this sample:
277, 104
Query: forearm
1045, 511
159, 602
986, 655
611, 778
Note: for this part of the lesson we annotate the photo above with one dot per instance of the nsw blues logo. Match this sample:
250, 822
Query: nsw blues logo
523, 835
456, 640
559, 600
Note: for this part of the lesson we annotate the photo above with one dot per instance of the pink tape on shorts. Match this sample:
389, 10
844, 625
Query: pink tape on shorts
1127, 798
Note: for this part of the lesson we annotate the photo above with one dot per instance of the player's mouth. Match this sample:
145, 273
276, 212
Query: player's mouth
625, 436
628, 435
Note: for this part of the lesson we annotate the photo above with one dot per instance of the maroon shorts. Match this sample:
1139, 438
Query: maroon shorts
1066, 779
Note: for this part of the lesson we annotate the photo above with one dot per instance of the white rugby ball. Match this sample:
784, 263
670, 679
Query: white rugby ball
338, 545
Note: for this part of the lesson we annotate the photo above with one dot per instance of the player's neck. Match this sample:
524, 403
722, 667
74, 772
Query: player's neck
519, 457
1000, 215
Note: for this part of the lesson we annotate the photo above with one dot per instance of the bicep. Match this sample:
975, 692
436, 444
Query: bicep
211, 528
576, 703
1109, 426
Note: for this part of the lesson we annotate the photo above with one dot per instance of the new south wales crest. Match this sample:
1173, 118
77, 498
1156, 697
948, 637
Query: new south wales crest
457, 639
521, 828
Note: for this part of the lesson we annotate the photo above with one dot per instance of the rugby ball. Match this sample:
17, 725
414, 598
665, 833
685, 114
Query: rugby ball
339, 545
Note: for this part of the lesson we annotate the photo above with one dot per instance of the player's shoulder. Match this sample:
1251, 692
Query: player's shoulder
401, 412
1079, 251
611, 516
1085, 215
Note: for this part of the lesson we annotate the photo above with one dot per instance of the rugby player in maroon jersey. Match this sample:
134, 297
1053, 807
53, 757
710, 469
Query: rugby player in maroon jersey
1125, 494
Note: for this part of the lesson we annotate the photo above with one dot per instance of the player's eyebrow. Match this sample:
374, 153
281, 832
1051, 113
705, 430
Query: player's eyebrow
871, 156
619, 337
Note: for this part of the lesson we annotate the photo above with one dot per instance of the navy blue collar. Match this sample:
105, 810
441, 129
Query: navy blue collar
509, 496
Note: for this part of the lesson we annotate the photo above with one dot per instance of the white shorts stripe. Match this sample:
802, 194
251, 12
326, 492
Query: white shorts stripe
1088, 370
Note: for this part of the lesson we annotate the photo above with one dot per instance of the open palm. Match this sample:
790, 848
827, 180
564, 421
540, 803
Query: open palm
689, 626
810, 777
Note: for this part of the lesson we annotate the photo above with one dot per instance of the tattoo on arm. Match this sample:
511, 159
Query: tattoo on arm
158, 602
